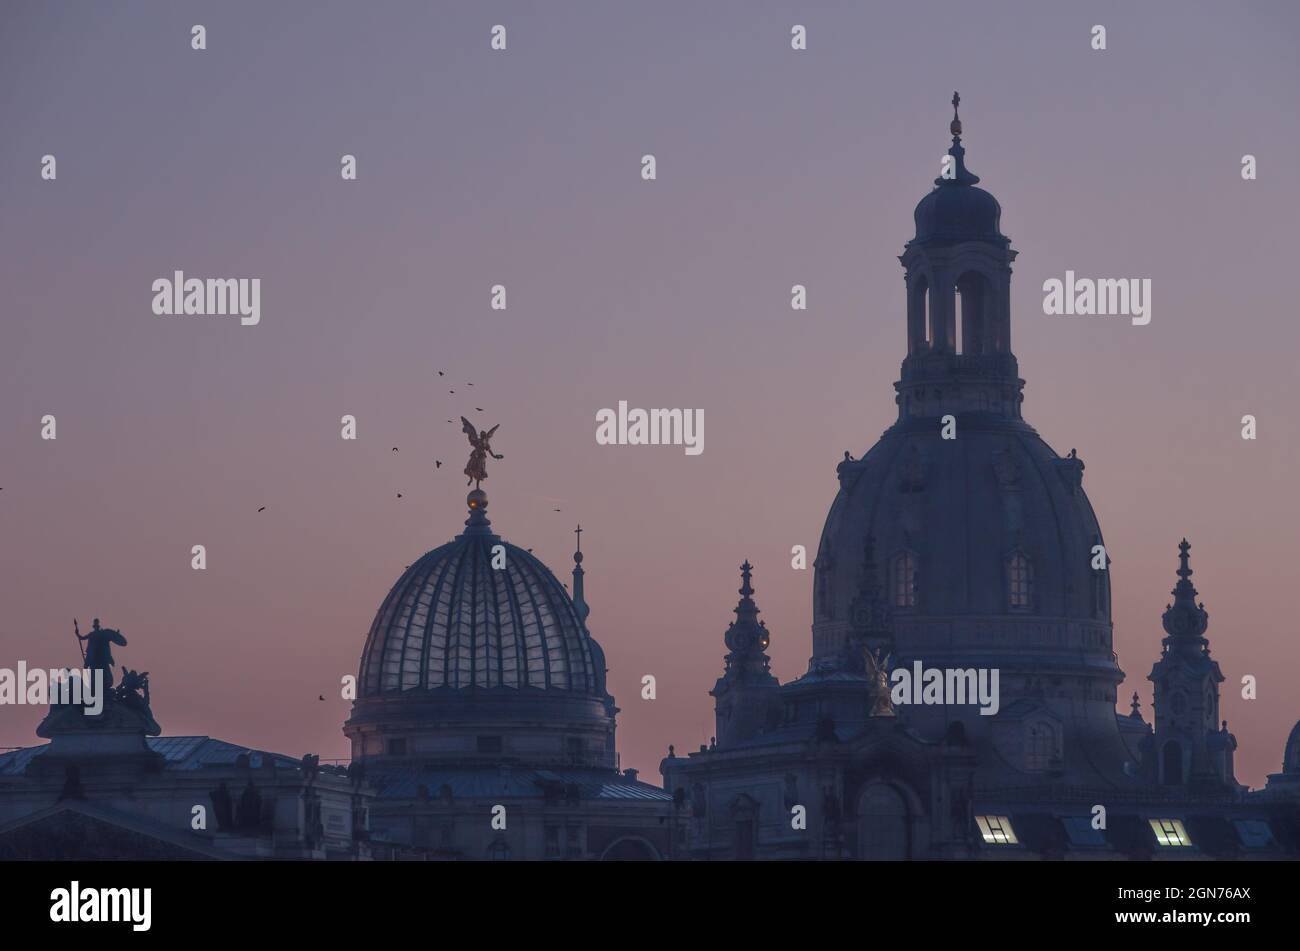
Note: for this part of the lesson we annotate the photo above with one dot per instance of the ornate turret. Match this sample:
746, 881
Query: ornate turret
1185, 621
746, 693
958, 299
1190, 745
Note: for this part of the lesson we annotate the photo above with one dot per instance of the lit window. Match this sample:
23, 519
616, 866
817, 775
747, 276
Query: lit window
904, 581
996, 830
1021, 577
1170, 832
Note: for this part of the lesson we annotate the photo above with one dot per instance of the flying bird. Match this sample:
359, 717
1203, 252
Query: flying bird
479, 408
437, 463
439, 373
322, 696
262, 509
399, 495
394, 449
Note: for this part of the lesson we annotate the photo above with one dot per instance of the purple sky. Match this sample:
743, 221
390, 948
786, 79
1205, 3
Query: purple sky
522, 168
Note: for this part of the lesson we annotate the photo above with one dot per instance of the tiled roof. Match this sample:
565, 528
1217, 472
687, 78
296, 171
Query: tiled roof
179, 752
403, 782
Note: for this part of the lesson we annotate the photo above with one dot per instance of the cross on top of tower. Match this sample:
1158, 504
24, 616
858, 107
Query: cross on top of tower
955, 127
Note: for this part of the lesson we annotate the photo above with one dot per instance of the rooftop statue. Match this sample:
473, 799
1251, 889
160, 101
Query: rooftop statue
99, 649
476, 468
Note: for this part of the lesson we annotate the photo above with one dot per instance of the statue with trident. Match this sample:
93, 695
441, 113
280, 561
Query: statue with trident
99, 652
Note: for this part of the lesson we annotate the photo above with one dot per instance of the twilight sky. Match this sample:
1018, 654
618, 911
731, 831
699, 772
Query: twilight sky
522, 168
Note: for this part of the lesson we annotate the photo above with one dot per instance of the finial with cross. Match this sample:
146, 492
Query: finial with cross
578, 531
955, 127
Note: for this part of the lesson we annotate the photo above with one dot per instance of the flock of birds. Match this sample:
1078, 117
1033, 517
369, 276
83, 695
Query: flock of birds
437, 463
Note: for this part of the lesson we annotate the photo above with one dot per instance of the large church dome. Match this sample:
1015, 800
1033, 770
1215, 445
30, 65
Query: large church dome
965, 526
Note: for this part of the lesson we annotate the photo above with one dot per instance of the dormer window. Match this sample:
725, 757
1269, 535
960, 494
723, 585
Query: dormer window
1170, 832
996, 830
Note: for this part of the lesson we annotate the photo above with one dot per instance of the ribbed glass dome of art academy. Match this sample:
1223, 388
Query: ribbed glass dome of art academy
478, 654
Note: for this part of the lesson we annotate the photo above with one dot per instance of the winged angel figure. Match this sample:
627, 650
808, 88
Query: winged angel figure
476, 468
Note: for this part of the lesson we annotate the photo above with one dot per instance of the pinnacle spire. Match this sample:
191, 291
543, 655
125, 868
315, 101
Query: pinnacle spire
1185, 618
579, 595
957, 174
747, 634
746, 609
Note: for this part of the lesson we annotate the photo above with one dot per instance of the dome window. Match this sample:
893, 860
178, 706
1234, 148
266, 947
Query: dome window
903, 580
1020, 577
1040, 747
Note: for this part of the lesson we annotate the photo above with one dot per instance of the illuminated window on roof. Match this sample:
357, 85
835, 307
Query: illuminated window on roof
996, 830
1170, 832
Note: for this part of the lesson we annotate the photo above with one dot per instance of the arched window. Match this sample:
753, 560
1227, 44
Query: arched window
1172, 764
971, 324
903, 580
920, 335
883, 833
1020, 579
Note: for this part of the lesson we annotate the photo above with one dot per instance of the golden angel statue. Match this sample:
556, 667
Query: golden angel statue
476, 468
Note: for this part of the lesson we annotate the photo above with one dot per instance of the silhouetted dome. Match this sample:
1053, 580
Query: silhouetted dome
958, 212
961, 510
1291, 754
454, 621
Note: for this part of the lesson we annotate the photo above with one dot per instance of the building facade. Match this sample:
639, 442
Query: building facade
961, 546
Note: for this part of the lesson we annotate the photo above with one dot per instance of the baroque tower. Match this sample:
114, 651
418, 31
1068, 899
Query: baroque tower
1191, 746
746, 695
